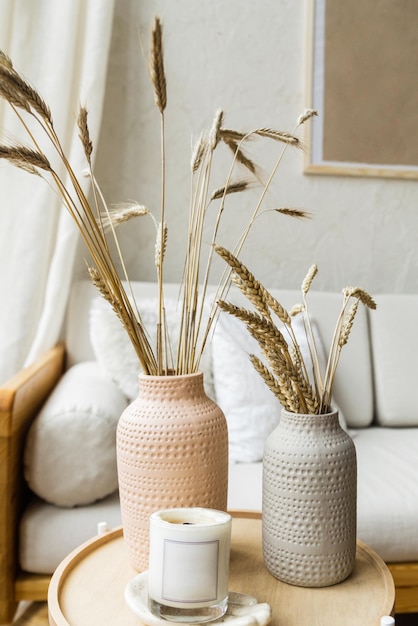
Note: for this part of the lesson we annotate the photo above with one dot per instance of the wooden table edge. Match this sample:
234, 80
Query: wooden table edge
79, 553
372, 556
57, 618
66, 565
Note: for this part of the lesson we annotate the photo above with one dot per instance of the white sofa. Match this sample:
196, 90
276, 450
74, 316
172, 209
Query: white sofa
67, 463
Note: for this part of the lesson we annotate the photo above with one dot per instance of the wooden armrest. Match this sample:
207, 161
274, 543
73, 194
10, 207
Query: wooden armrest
20, 400
22, 395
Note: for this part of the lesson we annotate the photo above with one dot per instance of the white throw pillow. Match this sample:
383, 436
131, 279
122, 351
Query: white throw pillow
70, 452
251, 409
115, 353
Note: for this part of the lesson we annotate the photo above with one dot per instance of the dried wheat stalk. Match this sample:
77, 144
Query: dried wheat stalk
198, 153
235, 187
278, 135
25, 158
231, 141
293, 212
96, 223
122, 213
286, 372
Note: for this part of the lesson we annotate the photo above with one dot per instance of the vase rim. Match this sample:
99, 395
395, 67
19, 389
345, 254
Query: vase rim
311, 415
144, 376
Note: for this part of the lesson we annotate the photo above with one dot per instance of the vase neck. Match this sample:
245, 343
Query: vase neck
186, 386
301, 420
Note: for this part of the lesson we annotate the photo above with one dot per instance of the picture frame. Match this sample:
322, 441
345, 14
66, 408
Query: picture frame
363, 84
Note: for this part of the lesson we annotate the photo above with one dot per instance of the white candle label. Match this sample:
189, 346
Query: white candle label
192, 566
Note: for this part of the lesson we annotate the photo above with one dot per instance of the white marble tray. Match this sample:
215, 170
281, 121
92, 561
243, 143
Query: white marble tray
243, 610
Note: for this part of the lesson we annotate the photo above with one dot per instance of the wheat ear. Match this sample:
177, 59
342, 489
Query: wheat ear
157, 66
235, 187
287, 400
20, 93
84, 134
246, 281
238, 152
278, 135
25, 158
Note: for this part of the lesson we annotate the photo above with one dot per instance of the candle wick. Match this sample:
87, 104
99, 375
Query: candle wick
188, 524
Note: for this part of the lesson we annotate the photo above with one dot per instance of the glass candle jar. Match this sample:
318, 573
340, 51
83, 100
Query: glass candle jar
189, 564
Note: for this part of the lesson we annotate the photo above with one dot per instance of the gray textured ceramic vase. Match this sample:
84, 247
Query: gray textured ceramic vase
309, 500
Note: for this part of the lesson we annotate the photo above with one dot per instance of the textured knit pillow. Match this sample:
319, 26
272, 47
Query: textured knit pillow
115, 353
70, 452
251, 409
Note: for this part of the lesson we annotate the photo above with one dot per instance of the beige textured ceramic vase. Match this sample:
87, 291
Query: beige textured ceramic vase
172, 451
309, 500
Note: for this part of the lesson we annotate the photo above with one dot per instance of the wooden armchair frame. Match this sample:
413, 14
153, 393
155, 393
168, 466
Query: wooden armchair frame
20, 401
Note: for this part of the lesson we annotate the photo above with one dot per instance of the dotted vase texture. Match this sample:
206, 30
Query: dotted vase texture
309, 500
172, 451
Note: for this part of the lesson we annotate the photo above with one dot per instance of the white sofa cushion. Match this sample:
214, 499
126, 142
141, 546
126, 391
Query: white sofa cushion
387, 491
114, 351
251, 409
387, 522
48, 533
70, 453
395, 360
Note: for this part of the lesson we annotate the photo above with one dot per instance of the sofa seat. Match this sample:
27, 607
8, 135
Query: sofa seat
387, 499
384, 460
49, 533
384, 455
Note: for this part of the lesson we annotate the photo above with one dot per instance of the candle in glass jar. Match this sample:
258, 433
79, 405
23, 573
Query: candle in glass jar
189, 563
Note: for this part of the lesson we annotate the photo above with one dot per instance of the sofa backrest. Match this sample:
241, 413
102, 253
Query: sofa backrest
353, 390
394, 338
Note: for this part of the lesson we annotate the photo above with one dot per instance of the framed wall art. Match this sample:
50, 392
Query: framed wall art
363, 82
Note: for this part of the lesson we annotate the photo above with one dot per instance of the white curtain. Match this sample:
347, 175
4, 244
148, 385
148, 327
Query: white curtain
62, 49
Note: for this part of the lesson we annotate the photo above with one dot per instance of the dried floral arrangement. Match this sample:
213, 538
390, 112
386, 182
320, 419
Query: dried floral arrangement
97, 222
286, 373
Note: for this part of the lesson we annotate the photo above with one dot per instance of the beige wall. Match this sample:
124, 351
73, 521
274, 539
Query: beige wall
248, 58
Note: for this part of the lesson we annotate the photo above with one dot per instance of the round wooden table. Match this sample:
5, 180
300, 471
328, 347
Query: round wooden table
88, 586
